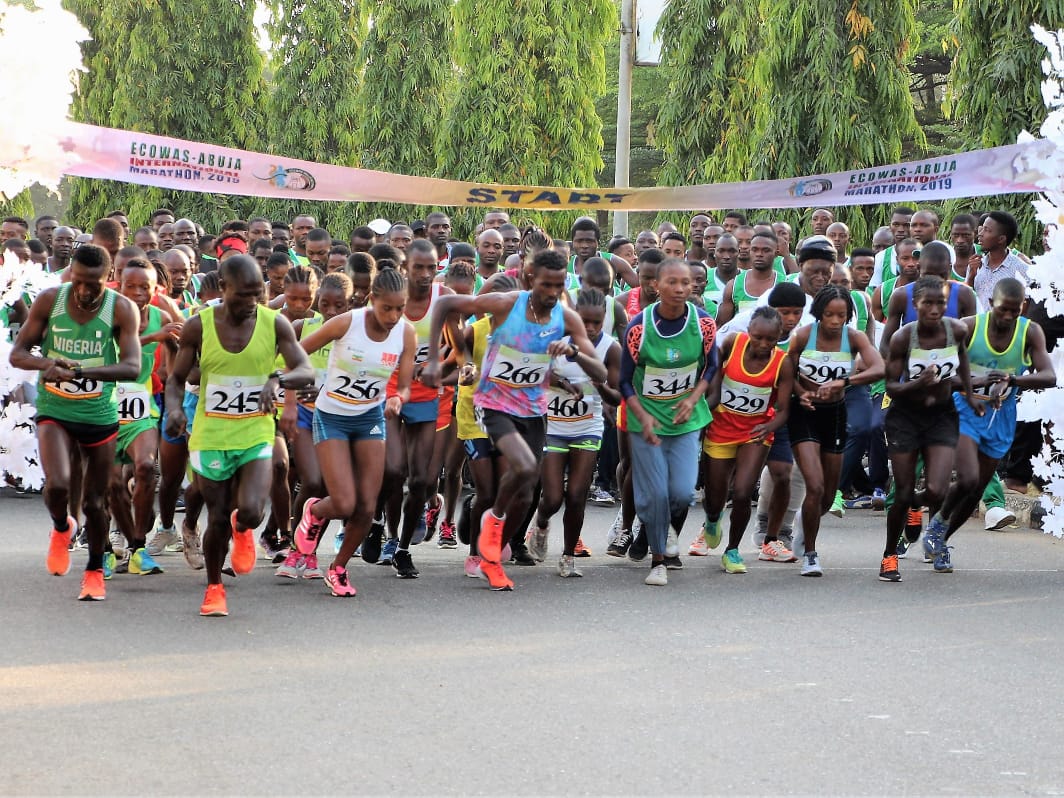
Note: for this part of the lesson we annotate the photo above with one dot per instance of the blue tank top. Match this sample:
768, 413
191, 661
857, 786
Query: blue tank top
516, 366
952, 302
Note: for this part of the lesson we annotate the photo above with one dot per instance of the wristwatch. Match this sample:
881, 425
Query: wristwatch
78, 374
279, 375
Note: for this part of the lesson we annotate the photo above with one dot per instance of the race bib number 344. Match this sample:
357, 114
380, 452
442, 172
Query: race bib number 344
233, 397
668, 383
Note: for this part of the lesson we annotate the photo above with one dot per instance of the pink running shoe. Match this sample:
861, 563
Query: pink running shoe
309, 530
336, 578
310, 567
472, 566
292, 567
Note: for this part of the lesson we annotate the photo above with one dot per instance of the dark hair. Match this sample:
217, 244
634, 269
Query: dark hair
590, 298
766, 234
902, 210
319, 234
302, 275
964, 218
239, 266
599, 267
281, 226
862, 252
786, 295
501, 283
741, 217
261, 243
209, 282
388, 280
92, 256
1007, 223
674, 237
235, 225
437, 215
929, 282
254, 219
651, 255
768, 313
459, 250
382, 252
36, 247
585, 223
160, 212
132, 252
278, 259
361, 263
509, 227
1009, 288
107, 229
910, 242
141, 263
337, 281
616, 243
463, 270
534, 240
364, 231
17, 243
43, 218
340, 249
828, 294
549, 259
422, 246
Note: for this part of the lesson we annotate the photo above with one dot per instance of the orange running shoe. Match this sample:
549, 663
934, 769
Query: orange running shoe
495, 575
92, 588
58, 561
243, 554
915, 518
580, 550
214, 605
489, 542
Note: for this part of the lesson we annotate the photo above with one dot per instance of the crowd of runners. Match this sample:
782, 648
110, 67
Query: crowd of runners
403, 387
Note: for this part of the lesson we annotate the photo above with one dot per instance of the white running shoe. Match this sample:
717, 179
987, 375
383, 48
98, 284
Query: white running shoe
567, 566
997, 518
811, 564
536, 541
658, 576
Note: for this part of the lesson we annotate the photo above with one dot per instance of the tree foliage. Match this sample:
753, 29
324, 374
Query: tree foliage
188, 69
524, 105
995, 86
836, 90
313, 107
401, 101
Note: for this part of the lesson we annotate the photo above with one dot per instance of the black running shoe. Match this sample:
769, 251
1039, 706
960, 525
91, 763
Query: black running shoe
519, 554
640, 545
371, 546
465, 518
403, 564
619, 547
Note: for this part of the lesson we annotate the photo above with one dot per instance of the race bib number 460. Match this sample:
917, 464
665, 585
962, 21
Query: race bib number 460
519, 369
233, 397
668, 383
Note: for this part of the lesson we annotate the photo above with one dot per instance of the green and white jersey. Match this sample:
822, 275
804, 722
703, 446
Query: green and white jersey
86, 400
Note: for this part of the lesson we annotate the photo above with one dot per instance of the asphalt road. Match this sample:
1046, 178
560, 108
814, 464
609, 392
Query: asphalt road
759, 684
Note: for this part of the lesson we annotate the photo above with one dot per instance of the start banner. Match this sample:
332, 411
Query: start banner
149, 160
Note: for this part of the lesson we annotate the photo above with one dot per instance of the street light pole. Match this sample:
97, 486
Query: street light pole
624, 110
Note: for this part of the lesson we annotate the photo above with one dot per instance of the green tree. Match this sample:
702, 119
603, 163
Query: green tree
835, 90
313, 110
189, 69
401, 100
523, 111
995, 86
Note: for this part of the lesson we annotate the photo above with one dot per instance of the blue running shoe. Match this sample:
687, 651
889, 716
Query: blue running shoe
142, 563
942, 562
934, 538
338, 541
388, 552
109, 561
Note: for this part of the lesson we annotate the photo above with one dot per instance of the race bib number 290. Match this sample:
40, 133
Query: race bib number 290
233, 397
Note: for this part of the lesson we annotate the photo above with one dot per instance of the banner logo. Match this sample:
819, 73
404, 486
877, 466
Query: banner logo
292, 178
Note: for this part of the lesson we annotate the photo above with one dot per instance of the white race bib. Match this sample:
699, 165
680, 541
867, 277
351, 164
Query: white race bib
519, 369
668, 383
356, 387
134, 402
233, 397
745, 399
78, 388
945, 361
564, 408
823, 367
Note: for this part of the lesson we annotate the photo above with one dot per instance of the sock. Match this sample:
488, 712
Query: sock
712, 518
136, 544
770, 538
401, 547
66, 526
497, 517
95, 562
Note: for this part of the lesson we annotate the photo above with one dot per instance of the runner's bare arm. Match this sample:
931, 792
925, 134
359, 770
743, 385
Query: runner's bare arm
127, 327
31, 334
608, 389
624, 270
585, 354
187, 351
332, 330
299, 371
498, 305
892, 321
1042, 375
406, 367
726, 309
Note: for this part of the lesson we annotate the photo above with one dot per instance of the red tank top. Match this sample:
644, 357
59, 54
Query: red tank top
746, 399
